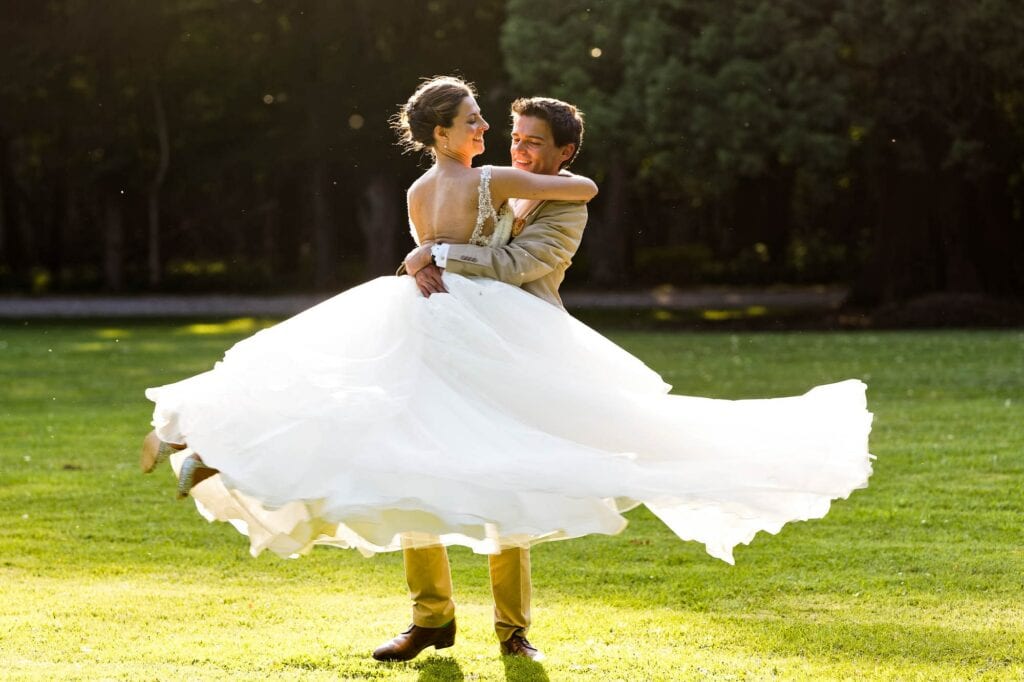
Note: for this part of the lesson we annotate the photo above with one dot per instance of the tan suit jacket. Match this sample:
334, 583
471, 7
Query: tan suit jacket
536, 259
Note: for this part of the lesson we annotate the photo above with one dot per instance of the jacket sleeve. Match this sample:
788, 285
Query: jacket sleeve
545, 244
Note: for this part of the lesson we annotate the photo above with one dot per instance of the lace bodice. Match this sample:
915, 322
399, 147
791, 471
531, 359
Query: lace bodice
502, 219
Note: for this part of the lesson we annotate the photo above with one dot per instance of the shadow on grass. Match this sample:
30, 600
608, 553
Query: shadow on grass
519, 669
439, 669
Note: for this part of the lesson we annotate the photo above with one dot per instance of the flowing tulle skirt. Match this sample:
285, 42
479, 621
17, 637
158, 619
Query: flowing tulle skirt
489, 418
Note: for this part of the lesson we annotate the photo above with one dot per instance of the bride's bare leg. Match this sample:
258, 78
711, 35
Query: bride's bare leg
193, 471
155, 451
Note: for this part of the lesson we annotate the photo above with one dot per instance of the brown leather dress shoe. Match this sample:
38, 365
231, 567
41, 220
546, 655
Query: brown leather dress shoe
517, 645
410, 643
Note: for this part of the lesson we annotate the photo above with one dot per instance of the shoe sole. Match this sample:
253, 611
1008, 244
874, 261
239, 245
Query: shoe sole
192, 472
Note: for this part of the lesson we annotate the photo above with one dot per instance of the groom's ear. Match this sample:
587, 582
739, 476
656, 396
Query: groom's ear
566, 153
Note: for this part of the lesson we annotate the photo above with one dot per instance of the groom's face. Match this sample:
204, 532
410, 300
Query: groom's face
533, 146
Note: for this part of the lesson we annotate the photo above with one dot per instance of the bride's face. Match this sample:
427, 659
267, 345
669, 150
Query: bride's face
465, 137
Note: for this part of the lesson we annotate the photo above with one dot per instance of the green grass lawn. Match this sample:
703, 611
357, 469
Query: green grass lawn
103, 575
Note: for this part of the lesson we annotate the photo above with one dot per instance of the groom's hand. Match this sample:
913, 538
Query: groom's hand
428, 279
418, 259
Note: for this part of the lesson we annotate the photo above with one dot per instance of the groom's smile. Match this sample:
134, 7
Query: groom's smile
533, 146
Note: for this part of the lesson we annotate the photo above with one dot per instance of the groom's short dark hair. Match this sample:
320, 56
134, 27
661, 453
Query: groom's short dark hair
565, 120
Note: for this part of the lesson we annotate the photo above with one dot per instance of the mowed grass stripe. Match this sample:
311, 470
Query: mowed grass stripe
104, 576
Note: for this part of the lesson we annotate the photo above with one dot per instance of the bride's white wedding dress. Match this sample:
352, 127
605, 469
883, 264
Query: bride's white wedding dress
490, 418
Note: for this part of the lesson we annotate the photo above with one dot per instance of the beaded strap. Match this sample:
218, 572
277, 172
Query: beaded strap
484, 208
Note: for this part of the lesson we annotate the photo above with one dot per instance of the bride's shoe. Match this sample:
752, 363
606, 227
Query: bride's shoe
155, 451
192, 473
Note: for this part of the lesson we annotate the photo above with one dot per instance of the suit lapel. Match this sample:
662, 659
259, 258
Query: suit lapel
525, 212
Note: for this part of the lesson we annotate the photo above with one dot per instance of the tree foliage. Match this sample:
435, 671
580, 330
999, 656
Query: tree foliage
245, 144
280, 166
877, 140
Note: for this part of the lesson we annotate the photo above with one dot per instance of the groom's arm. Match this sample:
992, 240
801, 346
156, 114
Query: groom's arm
550, 241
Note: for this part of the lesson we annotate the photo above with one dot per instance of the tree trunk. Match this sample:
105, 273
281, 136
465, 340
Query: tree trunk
28, 256
4, 255
73, 232
320, 118
608, 239
324, 262
776, 200
380, 221
268, 239
958, 258
113, 245
153, 199
53, 217
290, 250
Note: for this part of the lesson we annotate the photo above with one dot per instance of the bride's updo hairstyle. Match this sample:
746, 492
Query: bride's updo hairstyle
435, 103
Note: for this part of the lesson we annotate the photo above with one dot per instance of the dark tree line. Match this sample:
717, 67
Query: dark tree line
880, 141
158, 144
244, 144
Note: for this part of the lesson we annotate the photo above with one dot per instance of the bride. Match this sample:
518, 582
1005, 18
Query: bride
383, 419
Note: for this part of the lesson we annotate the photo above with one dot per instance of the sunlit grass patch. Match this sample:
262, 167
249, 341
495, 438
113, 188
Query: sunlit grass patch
241, 325
104, 576
706, 319
734, 313
113, 333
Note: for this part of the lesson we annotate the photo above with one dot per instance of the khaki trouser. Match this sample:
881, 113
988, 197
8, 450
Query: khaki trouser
430, 587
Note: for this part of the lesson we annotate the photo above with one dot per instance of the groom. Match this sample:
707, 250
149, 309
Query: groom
546, 138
